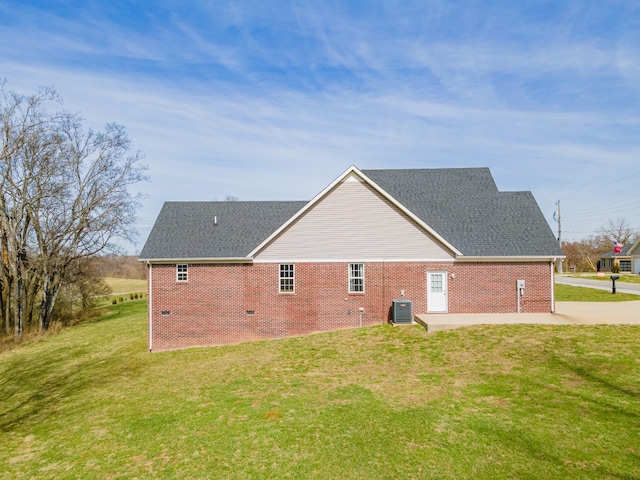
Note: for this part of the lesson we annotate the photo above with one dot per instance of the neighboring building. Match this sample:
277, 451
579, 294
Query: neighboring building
445, 239
634, 254
628, 259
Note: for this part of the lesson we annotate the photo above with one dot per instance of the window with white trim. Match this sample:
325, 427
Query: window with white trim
182, 272
287, 278
356, 277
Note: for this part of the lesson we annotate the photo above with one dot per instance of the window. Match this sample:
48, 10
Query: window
286, 278
356, 277
436, 283
182, 273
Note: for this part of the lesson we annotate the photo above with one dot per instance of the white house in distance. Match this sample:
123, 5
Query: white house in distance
628, 259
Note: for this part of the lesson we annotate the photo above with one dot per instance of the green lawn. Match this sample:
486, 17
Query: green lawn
626, 278
126, 285
569, 293
485, 403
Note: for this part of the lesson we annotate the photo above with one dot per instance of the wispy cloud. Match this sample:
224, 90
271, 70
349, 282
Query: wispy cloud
266, 101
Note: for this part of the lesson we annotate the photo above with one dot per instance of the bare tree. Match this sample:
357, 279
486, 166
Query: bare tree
24, 119
582, 255
65, 196
95, 206
119, 266
85, 286
618, 230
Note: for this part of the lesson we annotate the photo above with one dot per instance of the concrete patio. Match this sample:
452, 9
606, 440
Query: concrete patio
567, 313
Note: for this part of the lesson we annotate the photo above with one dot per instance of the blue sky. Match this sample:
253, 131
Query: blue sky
273, 100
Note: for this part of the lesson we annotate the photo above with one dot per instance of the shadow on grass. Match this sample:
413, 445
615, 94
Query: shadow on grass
35, 384
33, 392
601, 381
587, 403
616, 402
559, 463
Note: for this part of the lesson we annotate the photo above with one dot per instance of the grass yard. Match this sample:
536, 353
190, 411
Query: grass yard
126, 285
626, 278
485, 403
569, 293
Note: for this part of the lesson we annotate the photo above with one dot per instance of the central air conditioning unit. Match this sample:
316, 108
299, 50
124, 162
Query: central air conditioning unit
402, 312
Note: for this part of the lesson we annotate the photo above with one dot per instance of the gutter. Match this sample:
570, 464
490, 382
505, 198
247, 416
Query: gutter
541, 258
553, 286
197, 260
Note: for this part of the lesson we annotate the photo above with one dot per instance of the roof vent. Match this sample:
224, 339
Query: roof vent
215, 220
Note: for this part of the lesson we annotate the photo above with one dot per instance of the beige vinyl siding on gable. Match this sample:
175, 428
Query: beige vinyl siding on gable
354, 222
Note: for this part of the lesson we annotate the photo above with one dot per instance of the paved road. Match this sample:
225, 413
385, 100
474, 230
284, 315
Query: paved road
599, 284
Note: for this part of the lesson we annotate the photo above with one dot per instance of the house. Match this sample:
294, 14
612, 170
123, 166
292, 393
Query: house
634, 254
628, 259
445, 239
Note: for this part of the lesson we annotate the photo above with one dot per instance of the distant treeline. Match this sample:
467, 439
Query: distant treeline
119, 266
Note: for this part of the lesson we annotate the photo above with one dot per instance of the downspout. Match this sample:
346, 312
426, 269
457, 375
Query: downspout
150, 306
384, 291
553, 286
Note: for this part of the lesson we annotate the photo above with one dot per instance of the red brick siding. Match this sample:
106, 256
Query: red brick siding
211, 308
491, 288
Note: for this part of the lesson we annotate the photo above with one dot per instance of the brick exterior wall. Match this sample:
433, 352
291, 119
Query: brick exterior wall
223, 304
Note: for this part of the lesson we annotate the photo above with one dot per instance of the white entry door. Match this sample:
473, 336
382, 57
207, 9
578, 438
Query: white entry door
437, 292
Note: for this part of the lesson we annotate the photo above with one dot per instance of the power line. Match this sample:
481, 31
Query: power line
600, 185
602, 211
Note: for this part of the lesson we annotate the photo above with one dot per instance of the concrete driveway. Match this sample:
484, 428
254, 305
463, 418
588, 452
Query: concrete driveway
567, 313
591, 313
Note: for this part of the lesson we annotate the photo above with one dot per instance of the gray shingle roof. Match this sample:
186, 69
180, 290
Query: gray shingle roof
186, 230
463, 205
623, 253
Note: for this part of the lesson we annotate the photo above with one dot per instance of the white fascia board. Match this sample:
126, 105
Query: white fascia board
357, 260
353, 169
197, 260
512, 259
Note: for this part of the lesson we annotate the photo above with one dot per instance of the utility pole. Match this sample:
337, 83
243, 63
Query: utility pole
557, 215
559, 224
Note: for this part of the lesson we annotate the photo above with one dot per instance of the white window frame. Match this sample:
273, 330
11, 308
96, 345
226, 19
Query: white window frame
182, 272
353, 278
287, 282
